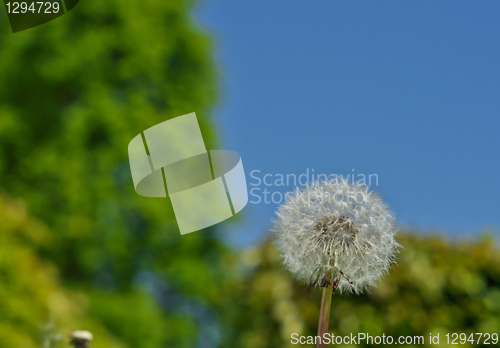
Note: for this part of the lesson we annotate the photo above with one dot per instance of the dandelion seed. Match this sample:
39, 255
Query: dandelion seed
336, 235
336, 232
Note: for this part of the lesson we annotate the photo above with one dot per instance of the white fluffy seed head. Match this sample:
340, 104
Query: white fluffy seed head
336, 232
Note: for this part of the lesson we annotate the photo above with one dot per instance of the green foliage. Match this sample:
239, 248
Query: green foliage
73, 93
34, 305
138, 330
437, 286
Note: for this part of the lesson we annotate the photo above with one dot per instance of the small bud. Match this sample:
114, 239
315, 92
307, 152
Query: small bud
81, 338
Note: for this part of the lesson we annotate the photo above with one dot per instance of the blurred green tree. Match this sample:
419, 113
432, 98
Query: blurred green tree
437, 286
73, 93
35, 307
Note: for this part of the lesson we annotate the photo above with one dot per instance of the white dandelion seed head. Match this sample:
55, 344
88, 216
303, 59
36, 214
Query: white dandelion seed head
336, 232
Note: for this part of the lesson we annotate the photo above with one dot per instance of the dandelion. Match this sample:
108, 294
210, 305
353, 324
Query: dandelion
81, 338
335, 235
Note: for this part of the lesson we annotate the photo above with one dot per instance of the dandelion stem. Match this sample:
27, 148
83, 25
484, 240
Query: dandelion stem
324, 313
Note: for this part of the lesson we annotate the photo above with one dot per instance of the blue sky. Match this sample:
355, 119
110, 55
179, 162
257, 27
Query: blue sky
409, 91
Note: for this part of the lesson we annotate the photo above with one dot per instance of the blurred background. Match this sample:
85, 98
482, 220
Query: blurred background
405, 91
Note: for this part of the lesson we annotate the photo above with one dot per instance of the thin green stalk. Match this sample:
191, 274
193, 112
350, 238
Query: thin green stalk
324, 314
